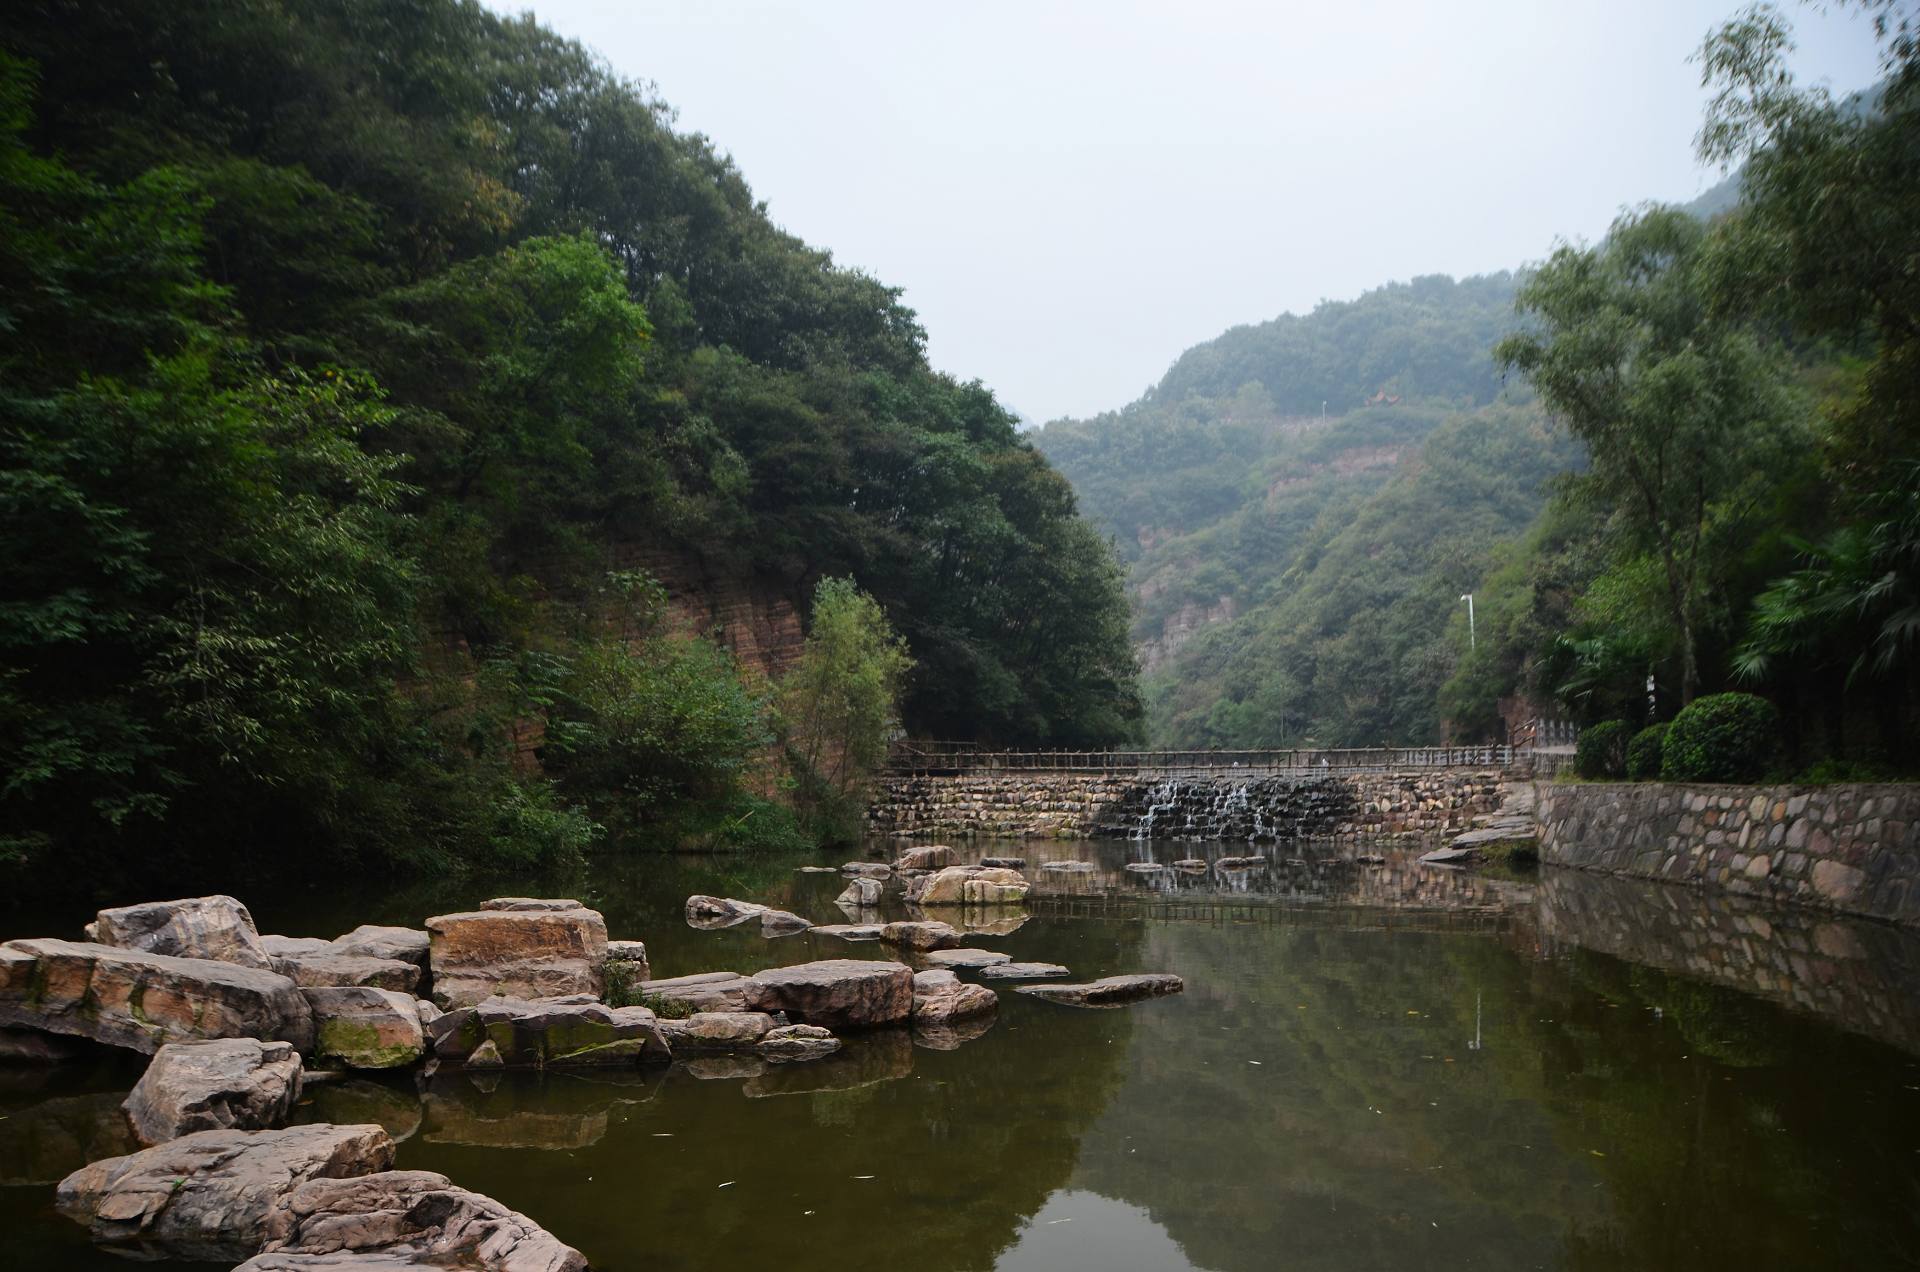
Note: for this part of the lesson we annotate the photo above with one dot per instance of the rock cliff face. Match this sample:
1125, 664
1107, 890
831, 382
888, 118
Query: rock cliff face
1180, 627
757, 619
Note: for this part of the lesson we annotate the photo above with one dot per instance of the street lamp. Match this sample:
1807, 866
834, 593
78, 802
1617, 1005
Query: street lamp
1473, 641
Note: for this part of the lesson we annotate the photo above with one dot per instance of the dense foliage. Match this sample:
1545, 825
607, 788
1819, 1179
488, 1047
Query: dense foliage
1602, 750
350, 349
1723, 737
1646, 752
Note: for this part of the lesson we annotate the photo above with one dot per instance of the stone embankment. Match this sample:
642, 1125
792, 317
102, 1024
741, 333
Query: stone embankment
1254, 809
1850, 848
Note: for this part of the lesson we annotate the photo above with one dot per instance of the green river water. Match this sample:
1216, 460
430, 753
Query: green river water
1373, 1067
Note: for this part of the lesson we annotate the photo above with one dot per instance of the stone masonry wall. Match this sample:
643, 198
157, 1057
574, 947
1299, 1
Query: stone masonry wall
1092, 805
1853, 848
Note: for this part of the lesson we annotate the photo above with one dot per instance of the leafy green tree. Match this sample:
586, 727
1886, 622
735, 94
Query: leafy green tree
1682, 412
838, 706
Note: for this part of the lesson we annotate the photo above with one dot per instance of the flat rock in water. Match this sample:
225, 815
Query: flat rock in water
1004, 863
1145, 867
1109, 991
1191, 865
1024, 971
711, 913
131, 998
940, 998
517, 953
838, 993
705, 991
868, 869
1067, 867
226, 1084
1240, 863
781, 923
967, 959
415, 1214
1450, 857
852, 931
216, 927
921, 935
533, 905
517, 1034
817, 870
207, 1195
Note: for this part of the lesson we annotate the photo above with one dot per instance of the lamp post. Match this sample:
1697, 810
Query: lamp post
1473, 640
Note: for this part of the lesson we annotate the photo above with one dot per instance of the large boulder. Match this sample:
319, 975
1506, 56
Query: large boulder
930, 857
940, 998
838, 993
1109, 991
228, 1084
216, 927
207, 1195
970, 885
366, 1028
516, 1034
130, 998
921, 935
414, 1214
517, 953
329, 968
861, 893
401, 944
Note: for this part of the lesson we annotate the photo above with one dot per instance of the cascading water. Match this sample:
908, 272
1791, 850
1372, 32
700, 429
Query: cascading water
1244, 810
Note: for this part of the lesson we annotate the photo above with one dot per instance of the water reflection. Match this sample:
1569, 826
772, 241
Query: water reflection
1375, 1065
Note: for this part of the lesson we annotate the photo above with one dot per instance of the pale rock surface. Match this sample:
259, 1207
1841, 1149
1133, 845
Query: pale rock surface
929, 857
365, 1028
413, 1213
131, 998
1109, 991
207, 1195
967, 959
230, 1083
518, 953
940, 998
921, 935
519, 1034
216, 927
838, 993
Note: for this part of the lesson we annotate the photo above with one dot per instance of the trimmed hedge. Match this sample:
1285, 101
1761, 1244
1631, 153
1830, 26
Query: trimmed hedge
1645, 753
1602, 750
1724, 737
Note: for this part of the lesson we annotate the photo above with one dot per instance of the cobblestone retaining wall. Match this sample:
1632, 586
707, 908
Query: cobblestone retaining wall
1087, 806
1852, 848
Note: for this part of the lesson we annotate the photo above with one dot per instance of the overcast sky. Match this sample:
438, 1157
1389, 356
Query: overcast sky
1072, 194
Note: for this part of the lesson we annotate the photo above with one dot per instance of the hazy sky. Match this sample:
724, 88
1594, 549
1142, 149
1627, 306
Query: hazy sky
1072, 194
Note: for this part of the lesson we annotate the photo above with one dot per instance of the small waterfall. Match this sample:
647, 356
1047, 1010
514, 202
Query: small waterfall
1242, 810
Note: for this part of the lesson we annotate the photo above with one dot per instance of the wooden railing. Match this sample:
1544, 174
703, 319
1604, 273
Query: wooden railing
953, 758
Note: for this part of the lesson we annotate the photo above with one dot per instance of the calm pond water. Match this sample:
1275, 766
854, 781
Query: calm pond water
1373, 1067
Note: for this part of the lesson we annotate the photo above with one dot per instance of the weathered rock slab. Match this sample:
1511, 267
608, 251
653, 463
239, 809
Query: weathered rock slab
1024, 971
967, 959
517, 953
838, 993
634, 955
227, 1084
132, 998
216, 927
330, 968
852, 931
868, 869
705, 991
861, 893
401, 944
921, 935
1109, 991
927, 857
415, 1214
366, 1028
207, 1195
940, 998
969, 885
518, 1034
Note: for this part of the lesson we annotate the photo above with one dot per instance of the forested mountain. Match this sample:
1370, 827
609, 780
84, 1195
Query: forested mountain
1249, 516
1716, 489
351, 349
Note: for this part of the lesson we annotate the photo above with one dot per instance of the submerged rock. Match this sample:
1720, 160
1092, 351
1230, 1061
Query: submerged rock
413, 1214
216, 927
518, 1034
207, 1195
1109, 991
230, 1083
519, 953
838, 993
1023, 971
969, 959
131, 998
43, 1142
940, 998
366, 1028
954, 1034
1240, 863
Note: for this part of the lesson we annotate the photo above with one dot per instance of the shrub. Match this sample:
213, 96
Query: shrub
1724, 737
1602, 750
1644, 753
